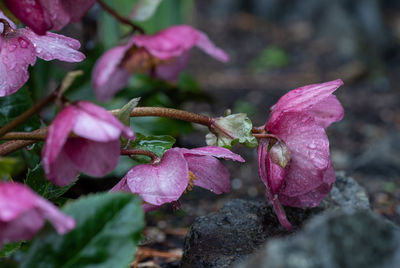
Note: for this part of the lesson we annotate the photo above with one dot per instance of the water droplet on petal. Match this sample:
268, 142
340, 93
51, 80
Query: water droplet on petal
23, 43
12, 48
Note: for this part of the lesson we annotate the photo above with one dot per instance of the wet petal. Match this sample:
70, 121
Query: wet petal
211, 174
108, 76
96, 123
160, 183
58, 133
327, 111
92, 157
53, 46
304, 99
16, 54
215, 151
309, 147
77, 8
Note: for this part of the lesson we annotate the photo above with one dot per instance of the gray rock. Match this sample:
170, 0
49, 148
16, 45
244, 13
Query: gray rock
335, 240
228, 236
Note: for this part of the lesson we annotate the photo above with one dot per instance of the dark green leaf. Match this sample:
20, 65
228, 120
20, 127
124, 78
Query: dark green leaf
15, 104
8, 249
38, 182
108, 227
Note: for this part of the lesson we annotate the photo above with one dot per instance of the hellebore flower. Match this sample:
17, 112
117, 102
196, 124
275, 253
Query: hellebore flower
23, 213
295, 165
178, 170
166, 53
94, 150
44, 15
19, 49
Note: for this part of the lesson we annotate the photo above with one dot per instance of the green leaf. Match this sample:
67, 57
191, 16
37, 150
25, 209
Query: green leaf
228, 130
144, 9
158, 144
124, 113
108, 228
38, 182
15, 104
8, 249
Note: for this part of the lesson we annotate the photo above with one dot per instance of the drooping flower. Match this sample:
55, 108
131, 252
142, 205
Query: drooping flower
179, 168
166, 53
20, 47
23, 214
94, 149
44, 15
295, 166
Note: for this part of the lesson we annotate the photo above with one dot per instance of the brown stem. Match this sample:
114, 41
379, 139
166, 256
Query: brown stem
28, 113
115, 14
12, 146
6, 28
170, 113
37, 135
265, 136
154, 158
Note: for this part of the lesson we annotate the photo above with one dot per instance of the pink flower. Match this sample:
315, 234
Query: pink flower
95, 150
23, 214
167, 52
44, 15
166, 181
297, 170
19, 49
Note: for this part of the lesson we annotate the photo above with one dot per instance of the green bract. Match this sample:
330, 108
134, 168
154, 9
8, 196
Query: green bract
227, 130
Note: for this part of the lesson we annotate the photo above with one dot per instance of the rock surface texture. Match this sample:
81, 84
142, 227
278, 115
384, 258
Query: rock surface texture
230, 235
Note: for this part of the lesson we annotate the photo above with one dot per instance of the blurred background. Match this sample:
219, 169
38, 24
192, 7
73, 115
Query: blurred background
274, 46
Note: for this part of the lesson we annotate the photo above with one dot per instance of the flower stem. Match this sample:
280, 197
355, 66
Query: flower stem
115, 14
170, 113
154, 158
28, 113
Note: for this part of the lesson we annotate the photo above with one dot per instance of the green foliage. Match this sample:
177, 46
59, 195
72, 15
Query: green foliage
15, 104
8, 167
156, 144
270, 58
36, 180
107, 231
228, 130
8, 249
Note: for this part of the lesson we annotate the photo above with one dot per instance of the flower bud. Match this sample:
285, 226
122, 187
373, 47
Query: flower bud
280, 154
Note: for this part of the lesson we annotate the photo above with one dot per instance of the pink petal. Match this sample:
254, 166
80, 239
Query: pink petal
121, 186
91, 157
108, 76
313, 197
275, 175
58, 133
215, 151
22, 213
15, 199
171, 70
262, 152
327, 111
58, 16
205, 44
160, 183
149, 207
309, 147
211, 174
303, 99
96, 123
16, 54
281, 214
77, 8
54, 46
31, 13
168, 43
62, 171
